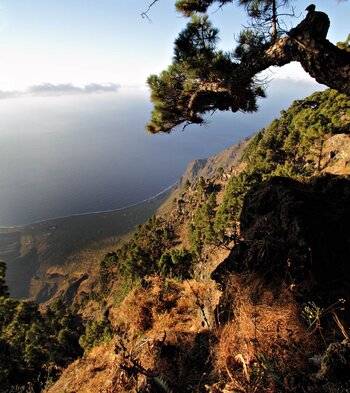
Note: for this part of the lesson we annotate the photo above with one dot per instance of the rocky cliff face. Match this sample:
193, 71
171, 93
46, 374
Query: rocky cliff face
297, 233
336, 155
270, 229
208, 168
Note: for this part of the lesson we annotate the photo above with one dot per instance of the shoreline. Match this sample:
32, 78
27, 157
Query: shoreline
30, 251
46, 220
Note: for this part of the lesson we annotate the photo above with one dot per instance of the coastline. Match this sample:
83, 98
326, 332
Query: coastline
119, 209
30, 251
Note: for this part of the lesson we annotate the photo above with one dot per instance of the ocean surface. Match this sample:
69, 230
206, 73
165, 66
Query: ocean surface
67, 155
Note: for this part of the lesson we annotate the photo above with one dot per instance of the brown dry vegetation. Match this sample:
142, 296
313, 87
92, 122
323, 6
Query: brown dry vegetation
264, 339
92, 373
167, 334
242, 334
193, 336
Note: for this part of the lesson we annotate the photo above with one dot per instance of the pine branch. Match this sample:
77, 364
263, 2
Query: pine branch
145, 13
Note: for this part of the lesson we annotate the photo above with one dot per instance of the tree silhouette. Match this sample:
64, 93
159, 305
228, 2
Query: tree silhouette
3, 286
203, 78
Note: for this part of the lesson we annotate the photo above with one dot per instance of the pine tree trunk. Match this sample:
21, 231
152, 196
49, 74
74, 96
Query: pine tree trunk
274, 20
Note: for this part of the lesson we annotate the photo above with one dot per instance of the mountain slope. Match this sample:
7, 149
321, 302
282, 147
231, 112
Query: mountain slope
39, 256
243, 284
260, 238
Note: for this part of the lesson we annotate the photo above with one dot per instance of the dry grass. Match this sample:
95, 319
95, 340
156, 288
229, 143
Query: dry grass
167, 306
171, 334
92, 373
165, 332
264, 338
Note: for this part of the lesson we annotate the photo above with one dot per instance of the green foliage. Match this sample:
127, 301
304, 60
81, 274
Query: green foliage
248, 42
203, 189
137, 258
203, 78
255, 8
169, 108
145, 254
3, 286
201, 230
292, 145
312, 313
200, 185
96, 332
187, 185
264, 16
227, 216
33, 343
199, 79
195, 45
345, 45
176, 263
189, 7
125, 285
107, 272
140, 256
220, 172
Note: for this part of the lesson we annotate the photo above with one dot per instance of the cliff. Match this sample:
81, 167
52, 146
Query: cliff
243, 285
208, 168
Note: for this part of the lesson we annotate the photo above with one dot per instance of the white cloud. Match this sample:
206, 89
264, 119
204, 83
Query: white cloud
46, 89
9, 94
50, 89
290, 71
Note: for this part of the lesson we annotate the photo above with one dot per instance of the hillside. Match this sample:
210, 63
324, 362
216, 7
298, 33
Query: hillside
207, 168
241, 287
41, 256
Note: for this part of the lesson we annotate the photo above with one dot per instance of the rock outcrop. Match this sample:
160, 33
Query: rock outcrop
295, 232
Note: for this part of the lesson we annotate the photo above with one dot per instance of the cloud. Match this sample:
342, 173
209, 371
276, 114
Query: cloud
50, 89
97, 88
9, 94
68, 88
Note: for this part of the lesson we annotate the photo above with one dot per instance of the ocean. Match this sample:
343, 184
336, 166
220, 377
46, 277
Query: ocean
65, 155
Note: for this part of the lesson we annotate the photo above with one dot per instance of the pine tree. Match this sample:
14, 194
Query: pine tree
3, 286
202, 78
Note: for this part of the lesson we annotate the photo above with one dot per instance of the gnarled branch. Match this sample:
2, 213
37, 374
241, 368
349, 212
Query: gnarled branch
233, 86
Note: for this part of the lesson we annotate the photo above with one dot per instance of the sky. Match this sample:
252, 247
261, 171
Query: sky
53, 46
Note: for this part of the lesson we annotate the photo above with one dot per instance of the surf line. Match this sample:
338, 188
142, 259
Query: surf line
147, 200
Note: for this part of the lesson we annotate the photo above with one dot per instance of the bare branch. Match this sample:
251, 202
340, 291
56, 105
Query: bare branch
144, 14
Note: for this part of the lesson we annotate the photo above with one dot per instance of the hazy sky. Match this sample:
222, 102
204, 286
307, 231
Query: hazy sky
80, 42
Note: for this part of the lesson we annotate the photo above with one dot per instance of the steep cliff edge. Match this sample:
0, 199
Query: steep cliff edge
271, 229
297, 233
226, 161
